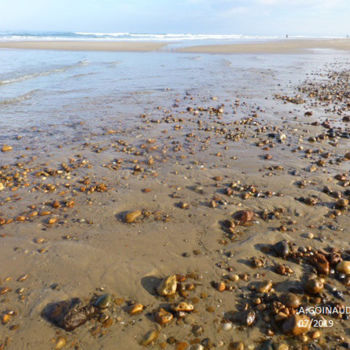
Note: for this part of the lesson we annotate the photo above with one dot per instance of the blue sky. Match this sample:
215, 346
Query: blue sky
261, 17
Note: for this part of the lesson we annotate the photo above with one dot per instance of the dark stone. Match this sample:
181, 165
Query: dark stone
69, 314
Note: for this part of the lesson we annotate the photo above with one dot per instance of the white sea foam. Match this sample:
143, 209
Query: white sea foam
123, 36
24, 77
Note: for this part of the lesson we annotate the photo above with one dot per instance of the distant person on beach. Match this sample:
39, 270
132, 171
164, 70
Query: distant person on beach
286, 36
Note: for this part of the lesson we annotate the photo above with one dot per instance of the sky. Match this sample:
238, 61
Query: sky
250, 17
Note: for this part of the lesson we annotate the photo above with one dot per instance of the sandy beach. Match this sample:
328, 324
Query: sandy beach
82, 45
287, 46
273, 47
173, 201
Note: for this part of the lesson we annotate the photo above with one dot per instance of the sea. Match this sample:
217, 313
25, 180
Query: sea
43, 87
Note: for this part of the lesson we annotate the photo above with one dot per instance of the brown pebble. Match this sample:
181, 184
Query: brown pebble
296, 325
132, 216
6, 148
60, 343
344, 267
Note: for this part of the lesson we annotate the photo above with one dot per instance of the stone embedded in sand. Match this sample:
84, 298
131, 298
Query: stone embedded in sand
6, 148
247, 318
320, 262
291, 300
281, 248
264, 287
236, 346
103, 301
183, 306
197, 347
136, 309
132, 216
314, 286
149, 337
347, 156
221, 286
163, 317
60, 343
244, 216
343, 267
168, 286
296, 325
69, 314
342, 203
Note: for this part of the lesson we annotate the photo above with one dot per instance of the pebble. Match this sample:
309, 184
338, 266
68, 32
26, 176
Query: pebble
163, 317
264, 287
168, 286
227, 326
281, 248
60, 343
197, 347
236, 346
296, 325
136, 309
291, 300
6, 148
104, 301
343, 267
132, 216
314, 286
150, 337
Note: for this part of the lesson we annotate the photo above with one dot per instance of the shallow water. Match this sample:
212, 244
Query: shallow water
48, 86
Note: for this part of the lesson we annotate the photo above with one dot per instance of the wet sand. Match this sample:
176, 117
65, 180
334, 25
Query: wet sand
83, 45
287, 46
276, 47
212, 185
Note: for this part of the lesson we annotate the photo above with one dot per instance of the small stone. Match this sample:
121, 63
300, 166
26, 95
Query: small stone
236, 346
163, 317
281, 248
314, 286
320, 262
342, 203
104, 301
264, 287
60, 343
6, 148
291, 300
343, 267
168, 286
227, 326
136, 309
181, 346
132, 216
244, 216
296, 325
2, 187
248, 318
149, 337
183, 306
281, 347
197, 347
221, 286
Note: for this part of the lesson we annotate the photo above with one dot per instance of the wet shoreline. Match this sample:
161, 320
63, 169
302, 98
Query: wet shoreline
213, 184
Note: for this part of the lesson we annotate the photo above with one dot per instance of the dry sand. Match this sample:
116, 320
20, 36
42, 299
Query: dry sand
82, 45
282, 46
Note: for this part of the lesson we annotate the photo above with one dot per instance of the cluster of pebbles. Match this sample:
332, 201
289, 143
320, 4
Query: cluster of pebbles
278, 243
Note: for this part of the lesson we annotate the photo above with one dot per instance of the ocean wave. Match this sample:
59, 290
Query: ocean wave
19, 99
42, 74
131, 36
